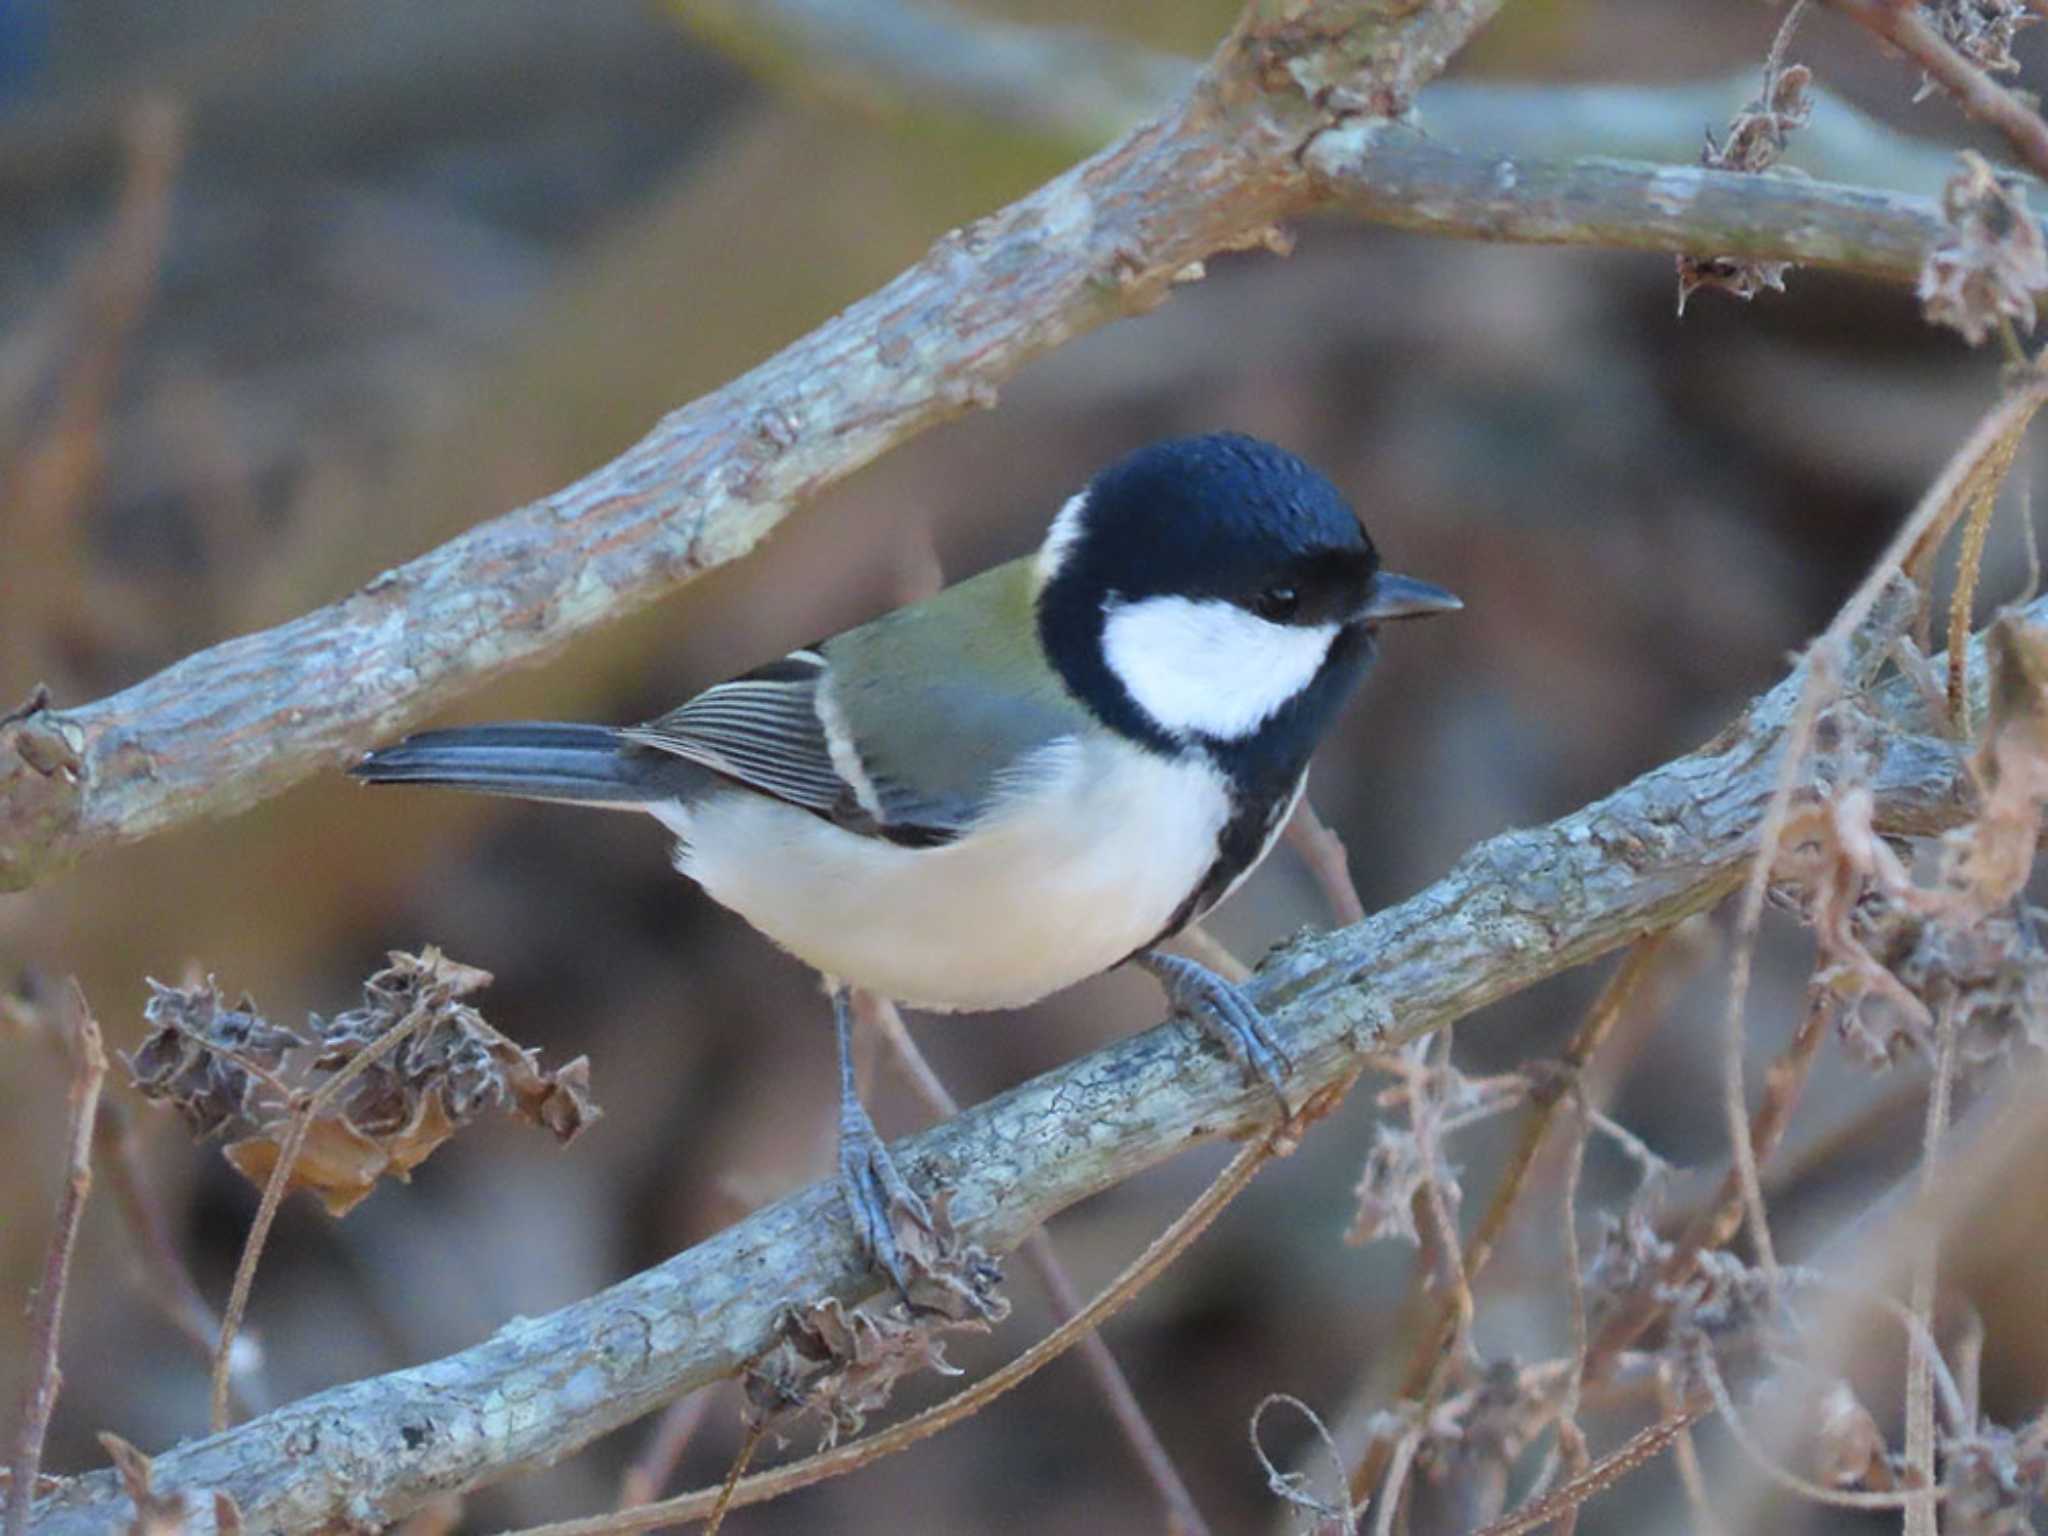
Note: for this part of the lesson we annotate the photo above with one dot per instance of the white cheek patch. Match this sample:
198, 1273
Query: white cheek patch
1208, 667
1061, 537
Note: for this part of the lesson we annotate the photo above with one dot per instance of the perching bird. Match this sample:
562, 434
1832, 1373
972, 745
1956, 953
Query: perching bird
1030, 777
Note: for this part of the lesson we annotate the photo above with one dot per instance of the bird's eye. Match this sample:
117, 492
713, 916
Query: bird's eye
1277, 604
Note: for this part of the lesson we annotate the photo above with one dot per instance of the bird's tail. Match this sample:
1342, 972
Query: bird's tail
583, 764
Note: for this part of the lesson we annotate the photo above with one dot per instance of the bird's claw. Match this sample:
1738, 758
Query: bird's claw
878, 1197
1226, 1014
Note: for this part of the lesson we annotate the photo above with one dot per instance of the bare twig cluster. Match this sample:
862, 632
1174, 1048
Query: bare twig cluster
1946, 966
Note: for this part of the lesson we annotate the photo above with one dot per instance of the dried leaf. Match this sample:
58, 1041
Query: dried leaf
205, 1060
1388, 1188
1990, 260
1850, 1448
1470, 1447
1758, 133
1982, 31
950, 1280
452, 1055
1629, 1261
337, 1163
232, 1070
1755, 142
1990, 1481
842, 1363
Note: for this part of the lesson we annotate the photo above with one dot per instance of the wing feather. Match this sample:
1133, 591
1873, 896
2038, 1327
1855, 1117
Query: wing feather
765, 730
910, 727
761, 730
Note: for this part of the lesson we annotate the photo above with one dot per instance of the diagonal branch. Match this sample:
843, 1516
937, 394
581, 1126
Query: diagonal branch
1518, 908
1904, 24
233, 725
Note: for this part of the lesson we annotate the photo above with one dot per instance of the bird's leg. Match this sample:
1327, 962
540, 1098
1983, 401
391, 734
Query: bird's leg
876, 1193
1223, 1010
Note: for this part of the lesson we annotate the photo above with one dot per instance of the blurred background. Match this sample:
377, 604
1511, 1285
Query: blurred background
289, 294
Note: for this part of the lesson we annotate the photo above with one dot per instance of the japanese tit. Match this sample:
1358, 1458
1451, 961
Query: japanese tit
1030, 777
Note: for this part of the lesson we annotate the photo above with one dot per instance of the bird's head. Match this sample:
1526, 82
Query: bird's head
1215, 589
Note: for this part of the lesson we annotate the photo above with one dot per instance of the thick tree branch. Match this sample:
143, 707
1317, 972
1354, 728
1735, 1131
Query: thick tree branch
1518, 908
244, 720
1394, 176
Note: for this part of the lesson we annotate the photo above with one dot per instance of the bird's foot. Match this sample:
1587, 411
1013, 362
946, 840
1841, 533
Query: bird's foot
913, 1244
1227, 1014
888, 1214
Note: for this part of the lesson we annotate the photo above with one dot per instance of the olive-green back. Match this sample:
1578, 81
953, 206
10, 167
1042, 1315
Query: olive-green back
946, 697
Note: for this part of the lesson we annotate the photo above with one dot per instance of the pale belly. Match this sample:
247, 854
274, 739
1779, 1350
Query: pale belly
1065, 882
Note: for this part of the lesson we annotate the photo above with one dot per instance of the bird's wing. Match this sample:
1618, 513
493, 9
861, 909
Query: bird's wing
761, 730
908, 727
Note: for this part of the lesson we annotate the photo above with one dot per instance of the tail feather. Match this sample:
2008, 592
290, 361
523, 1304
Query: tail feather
536, 760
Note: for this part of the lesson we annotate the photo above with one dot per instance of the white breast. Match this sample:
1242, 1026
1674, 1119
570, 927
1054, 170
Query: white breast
1073, 873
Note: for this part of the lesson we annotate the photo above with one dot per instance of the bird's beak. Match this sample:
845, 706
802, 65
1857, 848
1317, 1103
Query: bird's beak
1403, 597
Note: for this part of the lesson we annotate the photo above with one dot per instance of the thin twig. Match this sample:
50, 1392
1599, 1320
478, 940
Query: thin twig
1954, 1405
1141, 1272
1906, 28
1182, 1513
2030, 536
1639, 1450
1784, 1082
752, 1443
1426, 1371
652, 1469
1426, 1103
1703, 1364
167, 1280
1685, 1454
1293, 1487
1781, 41
1396, 1484
1926, 1268
1969, 562
1571, 1439
46, 1322
1822, 680
1322, 850
278, 1183
1979, 461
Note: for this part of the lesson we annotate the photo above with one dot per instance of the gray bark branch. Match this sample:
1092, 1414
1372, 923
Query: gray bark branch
1393, 176
244, 720
1516, 909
